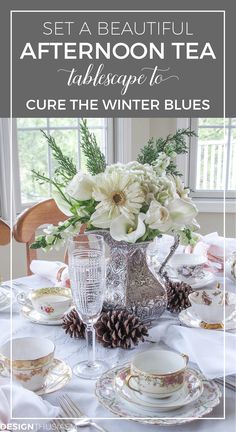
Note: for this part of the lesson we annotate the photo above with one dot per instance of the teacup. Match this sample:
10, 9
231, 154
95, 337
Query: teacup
31, 360
157, 373
187, 267
51, 302
209, 305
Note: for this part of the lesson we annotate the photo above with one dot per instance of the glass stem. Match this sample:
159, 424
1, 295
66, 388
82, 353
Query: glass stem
90, 344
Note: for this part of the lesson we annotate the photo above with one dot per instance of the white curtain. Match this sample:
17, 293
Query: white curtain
5, 173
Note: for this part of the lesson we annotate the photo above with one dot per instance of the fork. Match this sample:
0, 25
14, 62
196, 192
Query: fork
76, 416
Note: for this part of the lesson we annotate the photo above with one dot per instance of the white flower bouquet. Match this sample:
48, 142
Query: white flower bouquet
136, 201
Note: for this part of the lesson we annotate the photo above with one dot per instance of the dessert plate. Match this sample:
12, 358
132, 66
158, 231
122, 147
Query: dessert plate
111, 399
35, 317
190, 392
190, 319
57, 378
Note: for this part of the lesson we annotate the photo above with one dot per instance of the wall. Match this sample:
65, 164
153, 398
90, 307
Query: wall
141, 130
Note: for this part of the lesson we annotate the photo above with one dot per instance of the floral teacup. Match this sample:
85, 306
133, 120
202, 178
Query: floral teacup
31, 360
187, 267
157, 373
51, 302
209, 305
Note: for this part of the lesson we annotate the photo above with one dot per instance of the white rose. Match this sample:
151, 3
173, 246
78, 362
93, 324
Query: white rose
81, 187
157, 217
122, 230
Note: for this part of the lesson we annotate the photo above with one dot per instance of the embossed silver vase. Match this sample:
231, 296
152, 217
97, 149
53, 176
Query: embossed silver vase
130, 282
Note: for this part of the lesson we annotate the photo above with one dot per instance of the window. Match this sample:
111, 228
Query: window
212, 158
32, 151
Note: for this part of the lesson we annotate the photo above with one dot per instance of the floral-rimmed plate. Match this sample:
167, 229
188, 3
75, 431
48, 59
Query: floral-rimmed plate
191, 391
189, 318
110, 399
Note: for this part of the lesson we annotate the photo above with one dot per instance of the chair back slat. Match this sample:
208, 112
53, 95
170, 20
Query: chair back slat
5, 233
43, 213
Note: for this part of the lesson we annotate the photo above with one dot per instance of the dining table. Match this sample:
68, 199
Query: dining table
83, 391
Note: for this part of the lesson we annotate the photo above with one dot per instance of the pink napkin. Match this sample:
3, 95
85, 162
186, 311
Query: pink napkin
212, 246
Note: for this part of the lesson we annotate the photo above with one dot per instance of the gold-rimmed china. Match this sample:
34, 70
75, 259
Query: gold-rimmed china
50, 302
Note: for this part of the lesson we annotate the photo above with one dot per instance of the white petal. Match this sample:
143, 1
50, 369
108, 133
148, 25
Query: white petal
62, 204
120, 226
81, 187
182, 212
100, 219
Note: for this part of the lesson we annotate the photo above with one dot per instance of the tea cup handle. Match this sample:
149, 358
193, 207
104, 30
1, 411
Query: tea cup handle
23, 300
127, 382
186, 358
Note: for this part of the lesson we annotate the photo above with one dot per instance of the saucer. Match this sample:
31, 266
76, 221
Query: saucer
190, 319
57, 378
190, 392
206, 280
111, 399
37, 318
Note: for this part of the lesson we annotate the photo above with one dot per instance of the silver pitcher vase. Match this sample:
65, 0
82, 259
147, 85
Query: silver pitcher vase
130, 282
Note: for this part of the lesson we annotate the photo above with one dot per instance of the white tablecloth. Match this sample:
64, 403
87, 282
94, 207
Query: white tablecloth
82, 391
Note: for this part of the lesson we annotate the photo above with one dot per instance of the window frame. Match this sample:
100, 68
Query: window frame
19, 207
208, 200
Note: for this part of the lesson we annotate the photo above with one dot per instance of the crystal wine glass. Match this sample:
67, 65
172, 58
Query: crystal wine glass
87, 269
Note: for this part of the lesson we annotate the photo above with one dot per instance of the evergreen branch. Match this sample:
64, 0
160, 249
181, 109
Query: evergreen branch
171, 146
42, 178
95, 159
66, 167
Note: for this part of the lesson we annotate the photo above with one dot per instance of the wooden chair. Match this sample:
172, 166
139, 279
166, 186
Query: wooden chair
5, 233
46, 212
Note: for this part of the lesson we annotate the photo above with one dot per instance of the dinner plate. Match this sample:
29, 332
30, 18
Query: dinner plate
111, 399
191, 390
190, 319
35, 317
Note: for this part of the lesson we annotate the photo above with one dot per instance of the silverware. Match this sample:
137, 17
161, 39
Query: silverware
76, 416
227, 384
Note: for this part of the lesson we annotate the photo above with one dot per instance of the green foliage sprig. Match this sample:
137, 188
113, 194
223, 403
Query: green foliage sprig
171, 146
66, 168
95, 159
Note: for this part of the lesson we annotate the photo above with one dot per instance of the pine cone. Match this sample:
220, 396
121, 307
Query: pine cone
118, 328
177, 296
73, 325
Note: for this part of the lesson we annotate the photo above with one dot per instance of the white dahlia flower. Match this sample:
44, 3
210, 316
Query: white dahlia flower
117, 193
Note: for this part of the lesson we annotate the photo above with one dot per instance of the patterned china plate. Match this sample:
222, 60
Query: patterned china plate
35, 317
110, 399
57, 378
189, 318
5, 299
206, 280
190, 392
